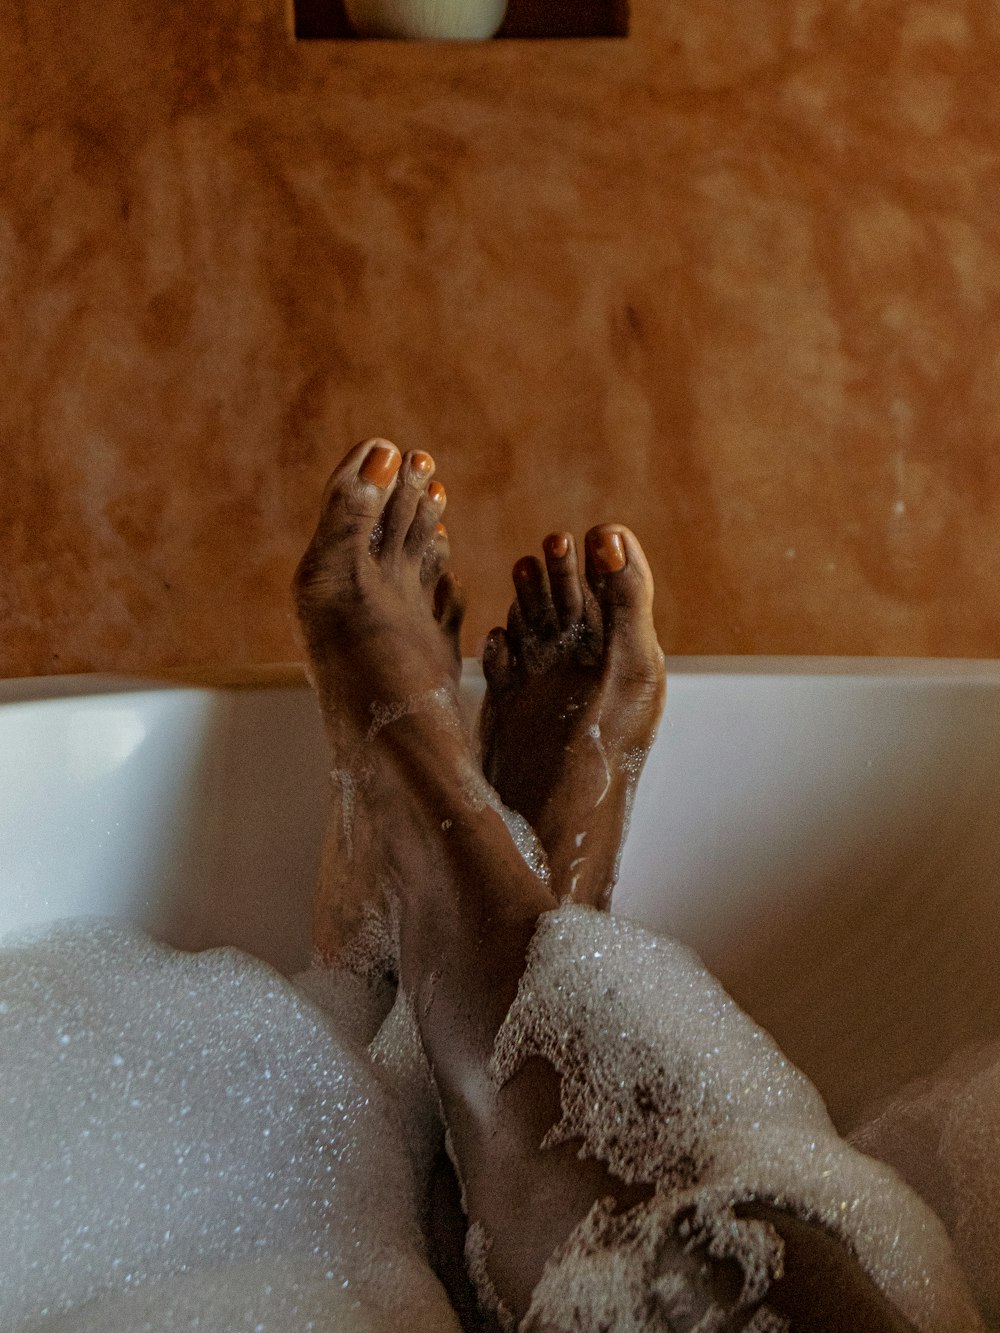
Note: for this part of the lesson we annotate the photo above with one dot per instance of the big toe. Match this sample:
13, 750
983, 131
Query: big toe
353, 503
620, 578
359, 486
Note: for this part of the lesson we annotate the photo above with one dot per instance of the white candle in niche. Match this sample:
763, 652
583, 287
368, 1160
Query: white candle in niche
428, 20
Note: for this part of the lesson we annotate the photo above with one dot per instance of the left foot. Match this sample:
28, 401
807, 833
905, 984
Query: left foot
380, 616
575, 688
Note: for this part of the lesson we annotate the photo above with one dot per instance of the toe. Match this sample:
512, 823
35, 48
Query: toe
412, 480
422, 530
435, 557
617, 570
498, 666
622, 583
517, 633
361, 481
564, 578
531, 585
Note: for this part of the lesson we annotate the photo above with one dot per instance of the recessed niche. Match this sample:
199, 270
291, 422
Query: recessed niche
326, 19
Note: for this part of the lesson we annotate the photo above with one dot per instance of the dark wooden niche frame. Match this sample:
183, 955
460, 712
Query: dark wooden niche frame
325, 20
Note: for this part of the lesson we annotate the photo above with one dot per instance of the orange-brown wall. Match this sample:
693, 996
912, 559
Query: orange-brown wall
734, 280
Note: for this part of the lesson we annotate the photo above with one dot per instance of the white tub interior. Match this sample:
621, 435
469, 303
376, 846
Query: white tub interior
826, 834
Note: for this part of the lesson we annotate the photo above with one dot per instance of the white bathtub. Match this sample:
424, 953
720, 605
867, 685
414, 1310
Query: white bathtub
826, 833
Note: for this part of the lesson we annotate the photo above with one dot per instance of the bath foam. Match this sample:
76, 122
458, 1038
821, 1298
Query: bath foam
942, 1135
620, 1271
441, 700
667, 1082
524, 839
190, 1142
477, 1252
277, 1295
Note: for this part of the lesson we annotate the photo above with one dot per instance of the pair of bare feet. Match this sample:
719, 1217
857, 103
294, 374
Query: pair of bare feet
419, 820
575, 683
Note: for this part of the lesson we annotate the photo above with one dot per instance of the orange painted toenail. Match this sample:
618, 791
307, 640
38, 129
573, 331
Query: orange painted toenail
441, 530
381, 465
421, 464
436, 492
607, 551
556, 544
525, 568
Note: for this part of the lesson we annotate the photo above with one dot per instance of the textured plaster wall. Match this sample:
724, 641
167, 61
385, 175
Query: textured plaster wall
734, 280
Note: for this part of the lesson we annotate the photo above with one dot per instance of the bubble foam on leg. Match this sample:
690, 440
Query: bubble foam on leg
668, 1083
189, 1137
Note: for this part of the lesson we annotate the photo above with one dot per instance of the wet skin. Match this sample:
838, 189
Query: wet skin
371, 583
412, 814
575, 689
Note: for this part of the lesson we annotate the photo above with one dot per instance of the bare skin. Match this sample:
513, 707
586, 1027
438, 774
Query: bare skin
404, 574
575, 689
383, 649
558, 669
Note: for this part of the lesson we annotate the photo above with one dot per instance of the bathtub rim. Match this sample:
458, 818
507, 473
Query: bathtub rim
291, 675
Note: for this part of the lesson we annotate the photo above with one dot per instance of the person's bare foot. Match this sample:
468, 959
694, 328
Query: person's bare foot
575, 688
380, 616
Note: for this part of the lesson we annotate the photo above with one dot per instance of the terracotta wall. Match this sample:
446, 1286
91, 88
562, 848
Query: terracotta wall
733, 280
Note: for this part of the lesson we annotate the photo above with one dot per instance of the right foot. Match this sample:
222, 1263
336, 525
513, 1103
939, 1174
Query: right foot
575, 688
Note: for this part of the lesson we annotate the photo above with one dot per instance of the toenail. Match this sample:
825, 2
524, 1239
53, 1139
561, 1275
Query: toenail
421, 464
607, 551
525, 568
556, 545
381, 465
436, 492
441, 530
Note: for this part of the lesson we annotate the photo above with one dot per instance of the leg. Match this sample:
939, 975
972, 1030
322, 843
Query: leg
349, 905
468, 902
579, 661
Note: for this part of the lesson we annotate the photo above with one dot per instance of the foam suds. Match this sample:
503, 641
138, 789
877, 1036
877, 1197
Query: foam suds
574, 871
189, 1142
540, 654
594, 732
477, 1251
348, 784
669, 1083
442, 700
373, 950
525, 840
942, 1135
479, 795
622, 1271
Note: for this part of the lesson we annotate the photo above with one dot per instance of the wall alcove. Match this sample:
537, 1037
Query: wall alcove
326, 19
